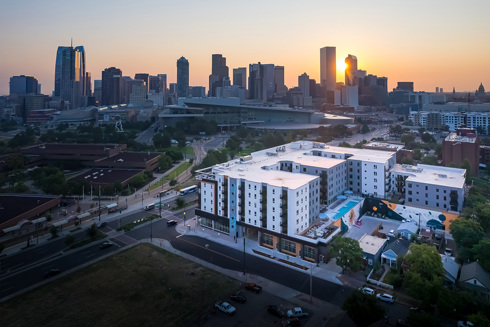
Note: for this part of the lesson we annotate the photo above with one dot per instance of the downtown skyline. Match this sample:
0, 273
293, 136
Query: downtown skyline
431, 44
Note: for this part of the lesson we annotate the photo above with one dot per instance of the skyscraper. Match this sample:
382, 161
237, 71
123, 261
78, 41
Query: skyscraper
219, 71
88, 84
69, 77
240, 77
328, 71
182, 77
23, 85
144, 77
351, 71
112, 86
304, 84
261, 83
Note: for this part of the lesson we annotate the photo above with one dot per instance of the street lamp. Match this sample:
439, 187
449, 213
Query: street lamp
184, 219
160, 194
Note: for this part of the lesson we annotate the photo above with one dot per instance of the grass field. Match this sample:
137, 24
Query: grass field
143, 286
179, 170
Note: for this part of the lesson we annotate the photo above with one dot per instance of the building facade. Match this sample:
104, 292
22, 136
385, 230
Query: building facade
69, 79
112, 86
328, 71
182, 78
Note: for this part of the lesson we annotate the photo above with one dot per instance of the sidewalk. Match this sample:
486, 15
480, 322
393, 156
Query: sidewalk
329, 271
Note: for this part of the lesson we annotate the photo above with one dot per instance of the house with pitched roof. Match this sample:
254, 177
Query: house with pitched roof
474, 278
398, 247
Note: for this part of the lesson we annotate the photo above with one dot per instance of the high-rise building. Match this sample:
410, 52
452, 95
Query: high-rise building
157, 84
69, 78
351, 71
112, 86
98, 91
328, 72
23, 85
219, 71
88, 84
280, 88
138, 92
144, 77
240, 77
304, 84
261, 82
182, 77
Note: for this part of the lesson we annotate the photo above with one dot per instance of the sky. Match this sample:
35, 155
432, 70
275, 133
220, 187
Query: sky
436, 43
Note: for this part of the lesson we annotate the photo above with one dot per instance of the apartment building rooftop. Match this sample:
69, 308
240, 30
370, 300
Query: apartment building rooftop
273, 177
436, 175
453, 137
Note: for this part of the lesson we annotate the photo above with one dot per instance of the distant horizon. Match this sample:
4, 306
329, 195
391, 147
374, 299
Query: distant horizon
439, 46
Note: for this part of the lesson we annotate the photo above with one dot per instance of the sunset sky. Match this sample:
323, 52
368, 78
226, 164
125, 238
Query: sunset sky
433, 43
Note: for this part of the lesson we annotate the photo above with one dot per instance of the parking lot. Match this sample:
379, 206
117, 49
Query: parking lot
253, 312
369, 224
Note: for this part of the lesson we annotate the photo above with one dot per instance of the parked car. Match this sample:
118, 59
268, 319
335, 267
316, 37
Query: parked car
52, 272
275, 310
465, 323
253, 287
238, 298
385, 297
401, 323
297, 313
171, 223
106, 244
367, 290
291, 322
225, 307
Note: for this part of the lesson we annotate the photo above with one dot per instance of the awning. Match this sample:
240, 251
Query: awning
112, 205
60, 222
83, 215
16, 227
38, 220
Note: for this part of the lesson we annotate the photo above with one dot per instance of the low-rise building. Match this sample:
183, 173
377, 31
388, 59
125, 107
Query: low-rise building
394, 249
372, 247
474, 278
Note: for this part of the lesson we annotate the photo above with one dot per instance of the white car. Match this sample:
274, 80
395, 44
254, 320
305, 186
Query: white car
465, 323
297, 313
385, 297
225, 307
367, 290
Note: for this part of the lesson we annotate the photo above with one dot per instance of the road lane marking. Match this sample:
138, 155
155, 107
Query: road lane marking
207, 248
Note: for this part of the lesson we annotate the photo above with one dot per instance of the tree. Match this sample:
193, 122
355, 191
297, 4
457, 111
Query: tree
54, 231
467, 165
427, 138
92, 231
481, 252
423, 278
466, 233
363, 309
417, 154
347, 252
479, 320
407, 161
407, 139
365, 129
396, 130
180, 203
345, 145
69, 239
429, 160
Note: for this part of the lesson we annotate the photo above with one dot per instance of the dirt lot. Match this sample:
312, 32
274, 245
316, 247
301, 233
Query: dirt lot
143, 286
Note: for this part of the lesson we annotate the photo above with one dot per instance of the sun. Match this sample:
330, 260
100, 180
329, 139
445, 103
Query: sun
341, 65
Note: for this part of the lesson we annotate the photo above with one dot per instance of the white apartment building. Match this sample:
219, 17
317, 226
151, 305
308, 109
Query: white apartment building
431, 186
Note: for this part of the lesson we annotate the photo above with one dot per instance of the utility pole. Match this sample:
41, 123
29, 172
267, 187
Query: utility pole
160, 204
244, 255
311, 283
99, 202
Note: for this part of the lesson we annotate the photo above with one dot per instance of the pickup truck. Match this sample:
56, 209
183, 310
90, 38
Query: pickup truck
225, 307
253, 287
297, 312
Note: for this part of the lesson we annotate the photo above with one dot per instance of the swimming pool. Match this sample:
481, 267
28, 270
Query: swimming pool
345, 208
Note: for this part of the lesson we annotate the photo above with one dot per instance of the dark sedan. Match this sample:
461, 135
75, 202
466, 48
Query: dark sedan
52, 272
238, 298
275, 310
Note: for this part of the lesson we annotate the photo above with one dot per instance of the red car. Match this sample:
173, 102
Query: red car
253, 287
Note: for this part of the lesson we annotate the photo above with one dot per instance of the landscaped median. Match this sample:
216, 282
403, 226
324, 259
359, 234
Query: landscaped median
172, 175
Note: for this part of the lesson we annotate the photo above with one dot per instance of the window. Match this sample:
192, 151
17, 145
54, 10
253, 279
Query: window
288, 246
409, 199
409, 192
267, 239
426, 188
409, 184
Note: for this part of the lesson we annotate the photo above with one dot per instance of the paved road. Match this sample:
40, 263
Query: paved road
146, 137
24, 279
13, 263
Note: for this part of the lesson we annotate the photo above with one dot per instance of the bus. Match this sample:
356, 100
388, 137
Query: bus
187, 190
150, 206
